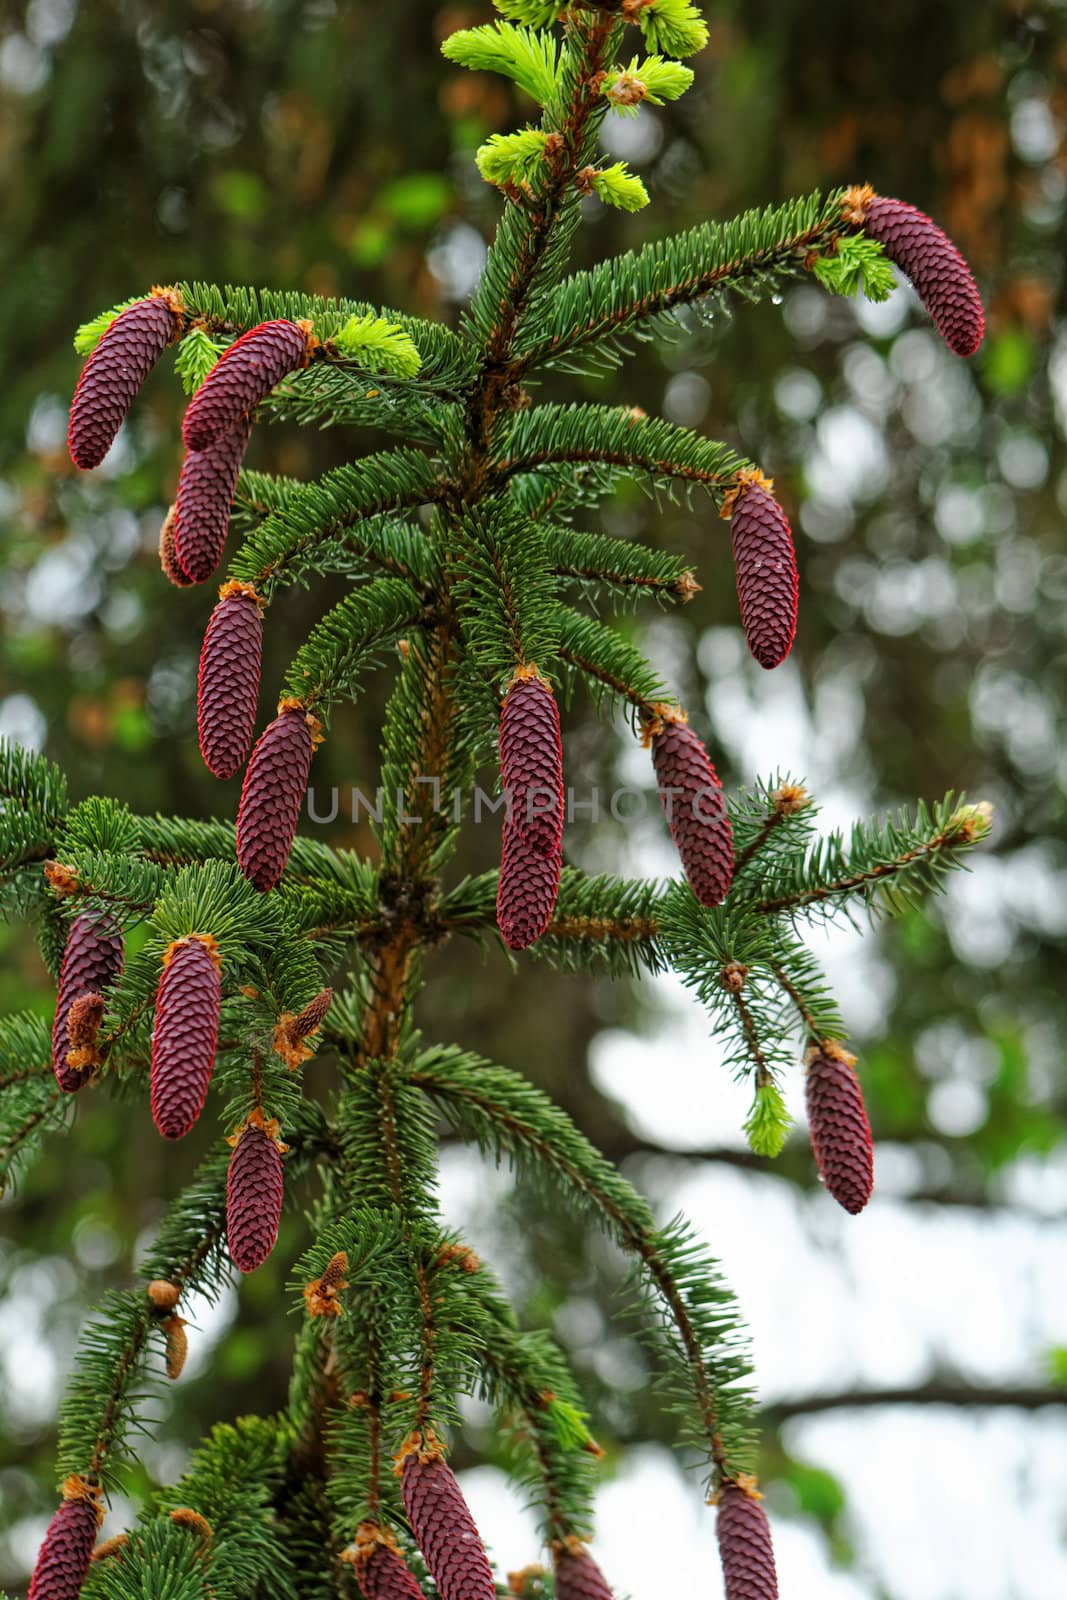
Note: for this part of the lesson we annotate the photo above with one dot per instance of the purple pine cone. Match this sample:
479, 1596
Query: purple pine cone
205, 497
185, 1034
113, 375
92, 960
241, 378
531, 763
693, 803
273, 792
444, 1530
228, 688
253, 1196
766, 567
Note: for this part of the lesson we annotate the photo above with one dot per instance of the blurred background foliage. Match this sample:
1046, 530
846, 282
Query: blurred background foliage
327, 146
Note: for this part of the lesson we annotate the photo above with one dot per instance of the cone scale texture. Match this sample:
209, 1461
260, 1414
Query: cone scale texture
241, 378
579, 1578
113, 375
767, 583
526, 892
693, 804
205, 497
745, 1546
941, 277
92, 959
840, 1132
383, 1576
184, 1038
228, 687
253, 1198
444, 1530
63, 1559
273, 792
531, 764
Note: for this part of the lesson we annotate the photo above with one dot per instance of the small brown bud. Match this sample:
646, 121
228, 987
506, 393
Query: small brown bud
110, 1547
177, 1345
321, 1295
733, 977
163, 1295
186, 1517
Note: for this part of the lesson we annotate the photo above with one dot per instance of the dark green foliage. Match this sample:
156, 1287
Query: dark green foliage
462, 566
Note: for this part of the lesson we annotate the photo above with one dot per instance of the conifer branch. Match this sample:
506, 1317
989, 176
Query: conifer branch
508, 1116
750, 256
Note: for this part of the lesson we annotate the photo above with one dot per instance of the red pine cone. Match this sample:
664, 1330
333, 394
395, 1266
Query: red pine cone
92, 959
205, 496
241, 378
173, 570
273, 792
766, 567
745, 1546
63, 1559
942, 278
527, 890
228, 688
113, 374
693, 804
444, 1530
253, 1198
383, 1576
578, 1577
184, 1036
531, 763
840, 1132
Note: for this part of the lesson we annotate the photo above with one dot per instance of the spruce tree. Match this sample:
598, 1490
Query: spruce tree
472, 563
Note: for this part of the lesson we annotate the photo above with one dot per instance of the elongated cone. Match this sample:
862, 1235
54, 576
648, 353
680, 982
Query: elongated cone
253, 1195
205, 497
745, 1545
114, 373
444, 1530
185, 1034
941, 277
577, 1575
172, 568
526, 892
380, 1568
273, 792
228, 688
63, 1559
531, 763
840, 1132
241, 378
92, 959
766, 567
693, 804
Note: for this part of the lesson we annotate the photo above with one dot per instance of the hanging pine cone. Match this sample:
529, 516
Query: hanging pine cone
185, 1033
577, 1575
444, 1528
531, 762
205, 498
767, 583
745, 1543
92, 959
228, 687
272, 794
840, 1132
63, 1559
941, 277
693, 803
254, 1192
243, 376
527, 890
380, 1568
115, 372
168, 555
